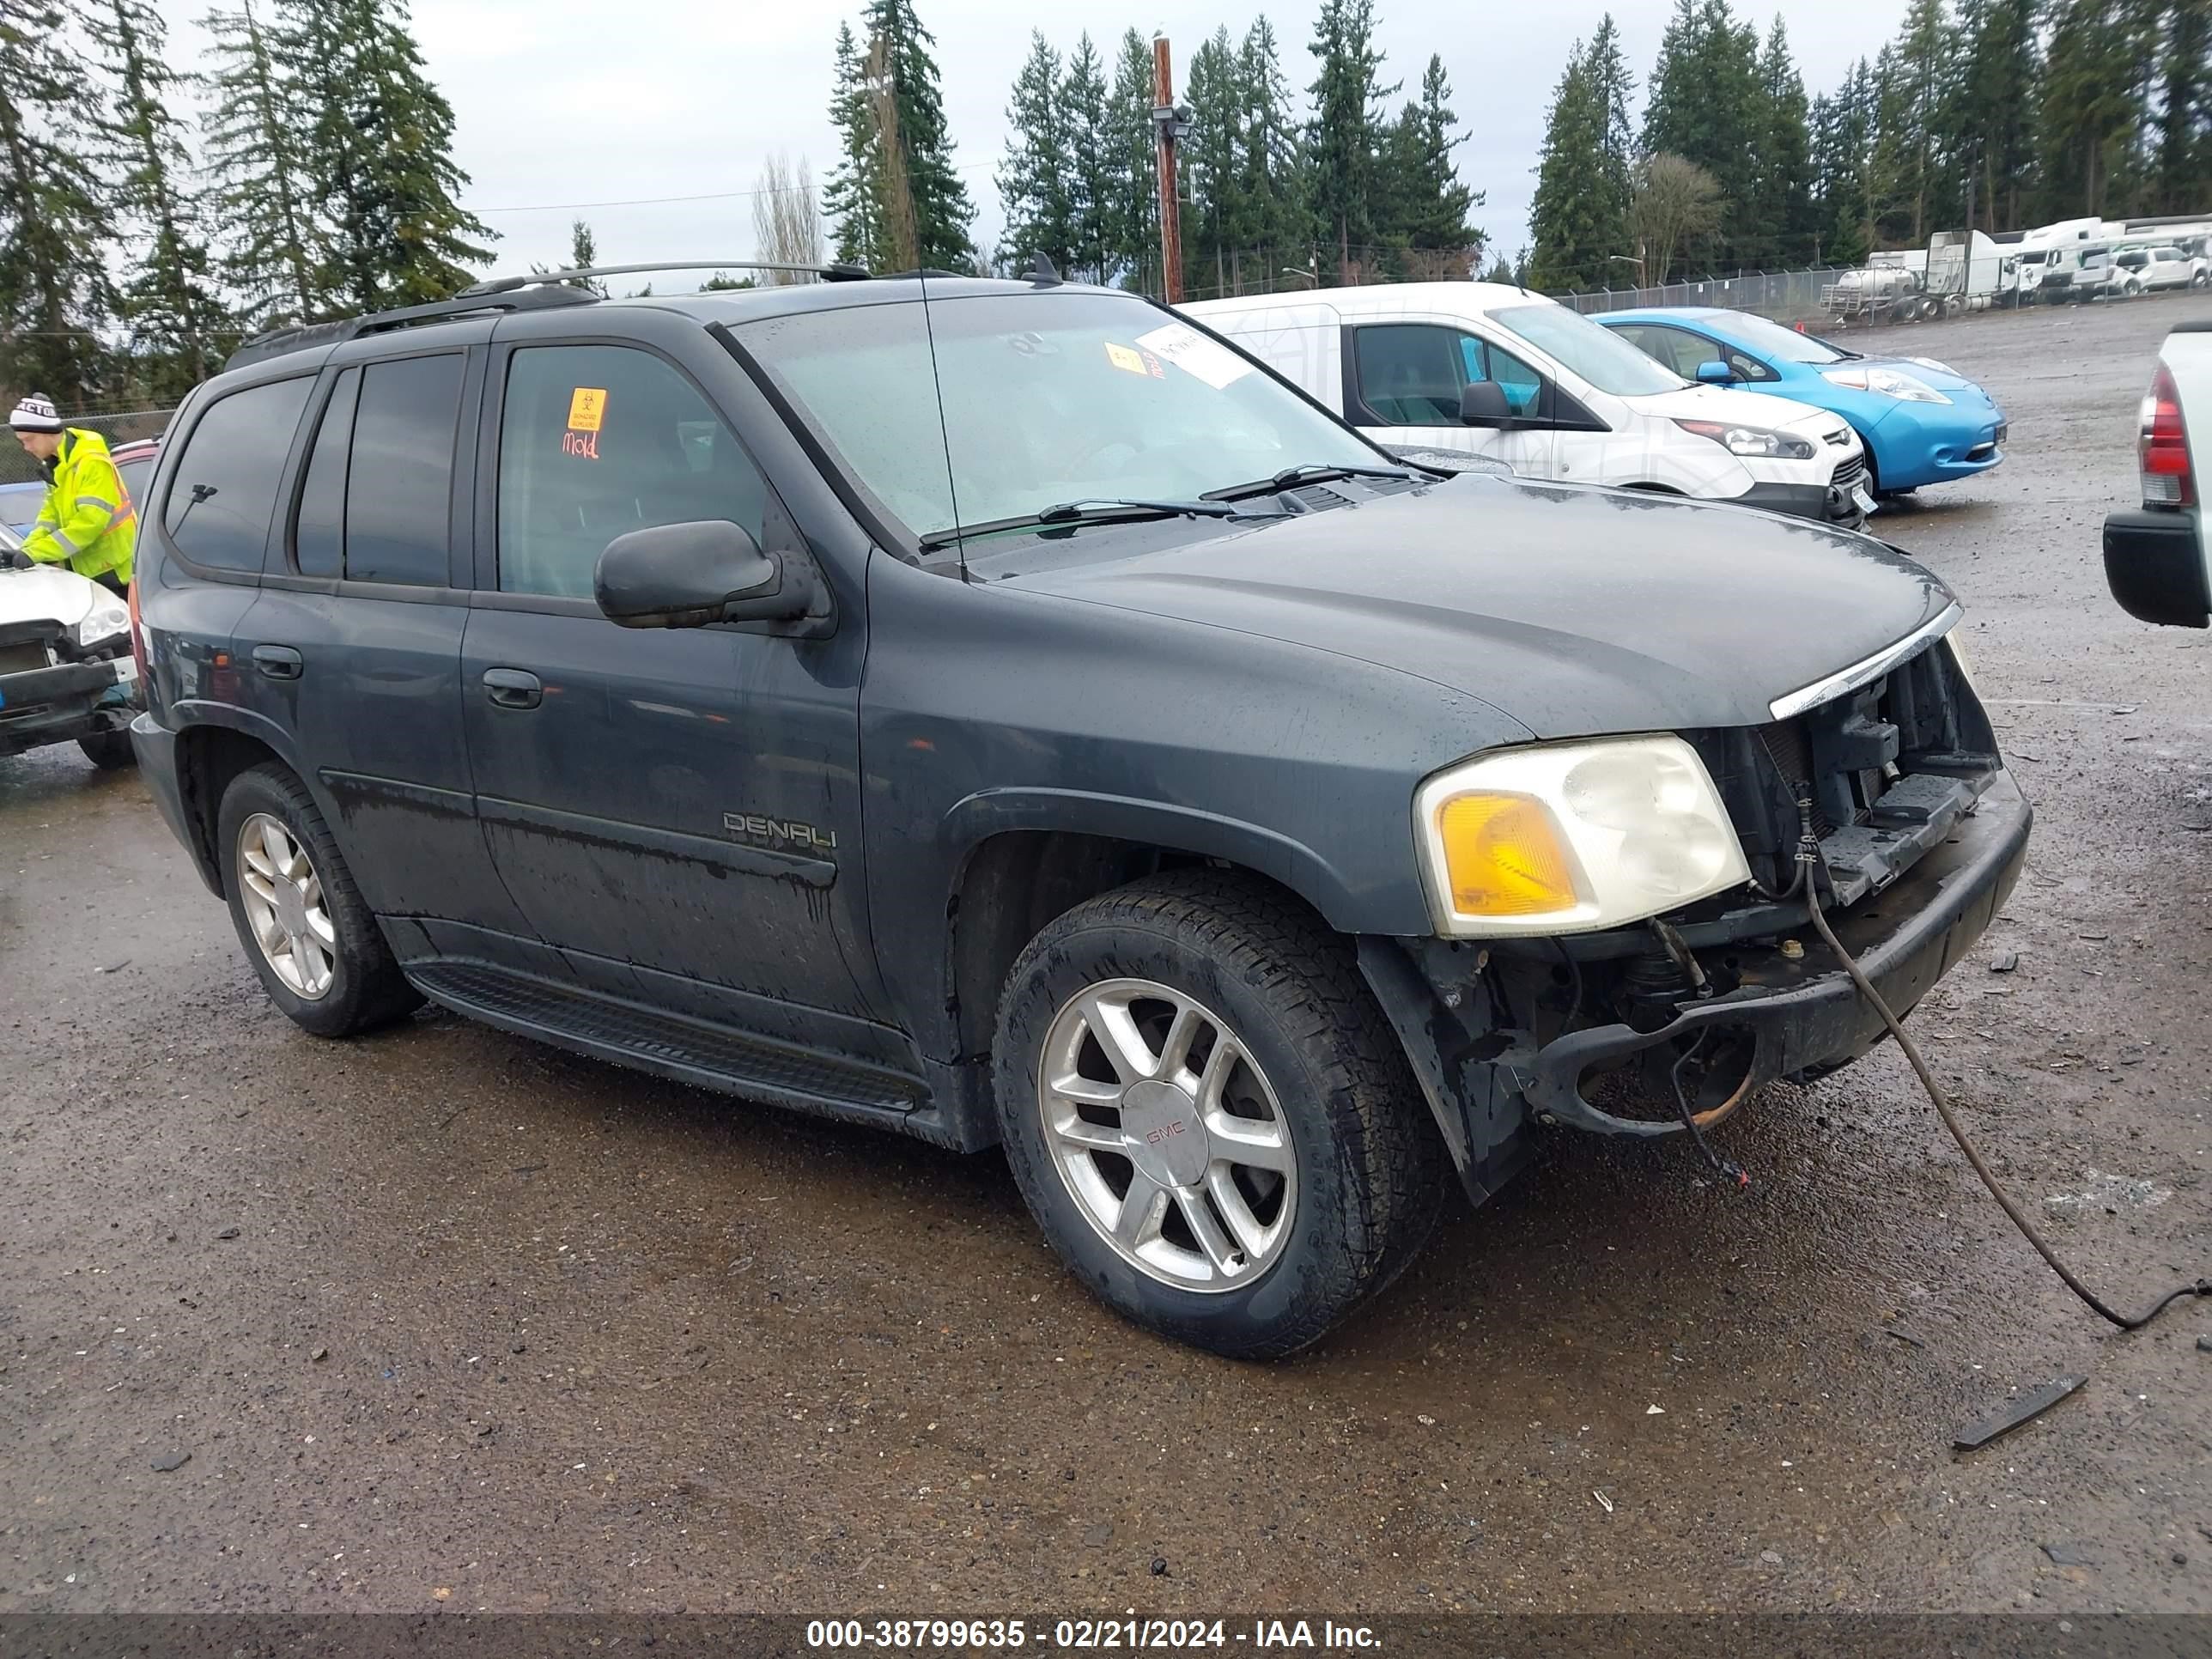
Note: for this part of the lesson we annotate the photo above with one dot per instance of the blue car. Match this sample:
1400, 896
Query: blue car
20, 504
1921, 424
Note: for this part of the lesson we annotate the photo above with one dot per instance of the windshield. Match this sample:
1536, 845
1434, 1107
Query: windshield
1037, 400
1783, 345
1598, 355
2093, 262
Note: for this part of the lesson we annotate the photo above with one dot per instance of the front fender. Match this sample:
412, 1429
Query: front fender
1297, 866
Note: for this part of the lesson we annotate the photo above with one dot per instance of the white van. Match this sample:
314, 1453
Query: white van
1486, 369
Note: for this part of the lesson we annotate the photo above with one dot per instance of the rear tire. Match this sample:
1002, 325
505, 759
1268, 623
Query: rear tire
1270, 1000
300, 920
110, 751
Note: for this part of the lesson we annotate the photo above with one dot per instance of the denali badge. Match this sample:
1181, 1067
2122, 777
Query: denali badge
780, 832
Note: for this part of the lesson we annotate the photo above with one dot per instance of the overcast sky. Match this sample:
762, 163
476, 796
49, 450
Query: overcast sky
559, 102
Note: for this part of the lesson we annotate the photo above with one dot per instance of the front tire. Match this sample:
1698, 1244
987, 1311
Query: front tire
1209, 1117
302, 922
110, 751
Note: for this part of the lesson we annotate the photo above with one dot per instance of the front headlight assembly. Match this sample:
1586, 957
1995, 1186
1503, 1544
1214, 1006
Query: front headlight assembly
1752, 443
1886, 382
1570, 837
107, 618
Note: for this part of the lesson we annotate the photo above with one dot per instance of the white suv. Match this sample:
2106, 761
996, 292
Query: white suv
1484, 369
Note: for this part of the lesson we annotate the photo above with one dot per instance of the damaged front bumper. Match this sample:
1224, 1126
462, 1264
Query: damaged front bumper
1791, 1010
40, 706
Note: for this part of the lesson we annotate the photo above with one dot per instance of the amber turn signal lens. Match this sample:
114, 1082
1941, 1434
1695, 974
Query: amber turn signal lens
1505, 856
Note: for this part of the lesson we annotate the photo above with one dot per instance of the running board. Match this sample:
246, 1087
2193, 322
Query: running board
672, 1045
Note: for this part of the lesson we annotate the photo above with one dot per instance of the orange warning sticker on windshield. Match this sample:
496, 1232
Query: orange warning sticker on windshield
1121, 357
587, 407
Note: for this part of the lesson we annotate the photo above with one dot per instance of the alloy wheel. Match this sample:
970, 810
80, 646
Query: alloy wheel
1167, 1134
283, 901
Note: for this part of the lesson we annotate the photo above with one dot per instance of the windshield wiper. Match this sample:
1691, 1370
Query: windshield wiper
1313, 472
1102, 511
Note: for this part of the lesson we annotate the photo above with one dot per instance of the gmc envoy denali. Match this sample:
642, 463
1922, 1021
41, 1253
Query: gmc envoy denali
1005, 713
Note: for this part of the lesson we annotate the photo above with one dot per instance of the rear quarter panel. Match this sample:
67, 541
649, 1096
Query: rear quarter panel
2187, 355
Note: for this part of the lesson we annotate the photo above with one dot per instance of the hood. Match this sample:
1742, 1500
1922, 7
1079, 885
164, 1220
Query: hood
45, 593
1576, 610
1733, 405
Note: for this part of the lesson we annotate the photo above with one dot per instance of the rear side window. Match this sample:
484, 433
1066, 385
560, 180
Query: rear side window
319, 541
224, 492
595, 441
399, 474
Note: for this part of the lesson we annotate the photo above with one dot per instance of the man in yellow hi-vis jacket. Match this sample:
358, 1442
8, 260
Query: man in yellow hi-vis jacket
88, 522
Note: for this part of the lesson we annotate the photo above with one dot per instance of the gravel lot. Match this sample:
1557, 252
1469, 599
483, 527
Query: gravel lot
444, 1318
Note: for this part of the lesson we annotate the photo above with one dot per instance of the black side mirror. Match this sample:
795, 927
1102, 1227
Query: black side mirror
687, 575
1484, 402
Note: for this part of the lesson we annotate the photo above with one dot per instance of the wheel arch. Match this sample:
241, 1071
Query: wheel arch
212, 750
1035, 857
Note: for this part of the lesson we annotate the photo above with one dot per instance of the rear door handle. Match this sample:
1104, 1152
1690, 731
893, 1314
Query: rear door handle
278, 662
513, 688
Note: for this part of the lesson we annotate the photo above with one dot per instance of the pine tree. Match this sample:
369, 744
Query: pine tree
1911, 178
1209, 154
1991, 119
1579, 217
1344, 132
1843, 141
1273, 218
2184, 178
1133, 219
938, 197
1090, 166
1033, 179
853, 196
1429, 206
380, 153
2095, 69
1706, 106
54, 288
249, 135
178, 326
583, 254
1779, 230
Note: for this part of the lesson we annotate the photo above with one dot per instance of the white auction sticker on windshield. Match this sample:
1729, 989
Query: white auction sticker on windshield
1192, 353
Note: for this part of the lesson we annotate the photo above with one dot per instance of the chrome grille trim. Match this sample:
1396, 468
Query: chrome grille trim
1860, 673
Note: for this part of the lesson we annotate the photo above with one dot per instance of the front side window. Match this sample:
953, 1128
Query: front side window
1410, 373
992, 406
1677, 348
595, 441
224, 492
399, 474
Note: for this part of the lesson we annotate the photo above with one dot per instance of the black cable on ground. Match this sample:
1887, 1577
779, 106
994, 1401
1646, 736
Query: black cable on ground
1808, 854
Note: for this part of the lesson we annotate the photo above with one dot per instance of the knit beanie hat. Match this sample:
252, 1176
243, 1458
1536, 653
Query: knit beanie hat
35, 414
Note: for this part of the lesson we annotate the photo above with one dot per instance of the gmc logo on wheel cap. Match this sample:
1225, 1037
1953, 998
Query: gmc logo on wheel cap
1166, 1130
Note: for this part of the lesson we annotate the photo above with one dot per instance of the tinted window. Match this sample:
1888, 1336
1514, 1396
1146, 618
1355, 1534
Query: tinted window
400, 477
595, 441
136, 475
1410, 373
319, 542
224, 492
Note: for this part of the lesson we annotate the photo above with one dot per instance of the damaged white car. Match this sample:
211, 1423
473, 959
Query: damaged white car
66, 671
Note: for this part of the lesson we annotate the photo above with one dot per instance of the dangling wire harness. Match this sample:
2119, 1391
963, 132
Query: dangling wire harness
1812, 874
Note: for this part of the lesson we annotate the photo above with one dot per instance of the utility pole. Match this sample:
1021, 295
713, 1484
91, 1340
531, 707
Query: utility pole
1169, 123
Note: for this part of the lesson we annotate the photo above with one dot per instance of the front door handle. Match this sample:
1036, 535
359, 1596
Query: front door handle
513, 688
278, 662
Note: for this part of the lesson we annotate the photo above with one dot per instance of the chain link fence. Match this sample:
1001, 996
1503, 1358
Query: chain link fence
1789, 297
118, 427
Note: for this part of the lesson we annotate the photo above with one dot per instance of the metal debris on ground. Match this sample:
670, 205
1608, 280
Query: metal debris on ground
2031, 1404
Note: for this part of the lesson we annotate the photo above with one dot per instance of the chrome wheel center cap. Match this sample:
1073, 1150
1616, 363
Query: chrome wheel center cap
1165, 1137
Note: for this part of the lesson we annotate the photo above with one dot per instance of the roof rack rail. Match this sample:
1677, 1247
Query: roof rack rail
278, 342
828, 273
